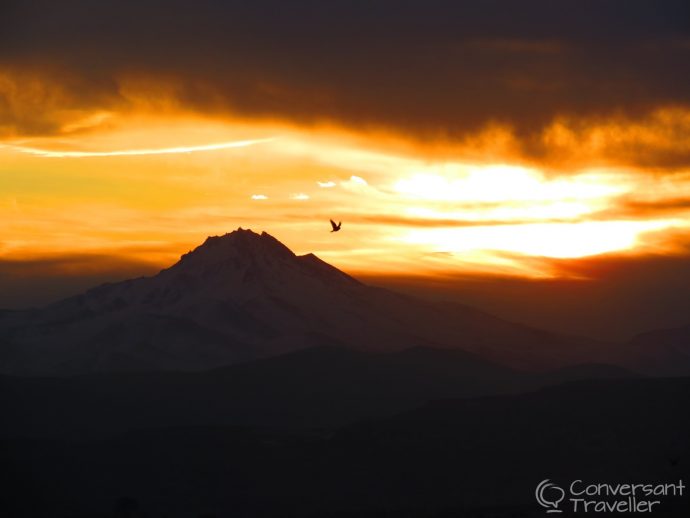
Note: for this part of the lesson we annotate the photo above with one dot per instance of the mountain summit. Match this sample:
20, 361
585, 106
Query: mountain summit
243, 296
238, 247
238, 267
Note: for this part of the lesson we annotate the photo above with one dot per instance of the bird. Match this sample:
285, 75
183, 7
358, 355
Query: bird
336, 227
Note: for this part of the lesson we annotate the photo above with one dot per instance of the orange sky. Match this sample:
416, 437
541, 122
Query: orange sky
450, 139
149, 185
533, 162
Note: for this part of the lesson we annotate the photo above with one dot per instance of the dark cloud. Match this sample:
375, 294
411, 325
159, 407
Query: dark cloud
432, 69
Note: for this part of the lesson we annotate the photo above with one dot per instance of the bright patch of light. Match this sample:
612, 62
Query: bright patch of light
326, 185
259, 197
299, 196
500, 183
556, 240
511, 212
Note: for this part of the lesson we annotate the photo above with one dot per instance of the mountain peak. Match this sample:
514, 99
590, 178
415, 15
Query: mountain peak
239, 245
244, 295
244, 237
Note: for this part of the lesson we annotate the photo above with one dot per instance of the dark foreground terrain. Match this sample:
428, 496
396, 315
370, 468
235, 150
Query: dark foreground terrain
329, 432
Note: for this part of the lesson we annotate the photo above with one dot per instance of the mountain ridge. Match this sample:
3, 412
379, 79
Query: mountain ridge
243, 296
313, 388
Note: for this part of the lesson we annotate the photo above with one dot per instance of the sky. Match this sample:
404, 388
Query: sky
531, 158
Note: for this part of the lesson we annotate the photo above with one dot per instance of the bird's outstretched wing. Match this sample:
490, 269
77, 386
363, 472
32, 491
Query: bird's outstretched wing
335, 227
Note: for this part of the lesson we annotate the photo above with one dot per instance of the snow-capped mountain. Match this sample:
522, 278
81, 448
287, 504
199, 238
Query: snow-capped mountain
244, 296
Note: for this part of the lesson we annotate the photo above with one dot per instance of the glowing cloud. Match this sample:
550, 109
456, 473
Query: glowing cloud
501, 183
137, 152
556, 240
406, 212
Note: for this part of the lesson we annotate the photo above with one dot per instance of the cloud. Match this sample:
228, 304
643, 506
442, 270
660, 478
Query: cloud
659, 138
136, 152
392, 219
259, 197
439, 70
326, 185
354, 183
657, 207
299, 196
627, 207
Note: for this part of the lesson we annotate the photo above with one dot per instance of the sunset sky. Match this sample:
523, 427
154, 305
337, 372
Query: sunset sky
459, 142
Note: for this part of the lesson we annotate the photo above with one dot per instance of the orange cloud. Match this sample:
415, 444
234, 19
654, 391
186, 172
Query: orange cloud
48, 153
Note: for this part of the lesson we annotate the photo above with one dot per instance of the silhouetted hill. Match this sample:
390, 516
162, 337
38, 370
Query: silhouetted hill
307, 389
664, 351
460, 457
244, 296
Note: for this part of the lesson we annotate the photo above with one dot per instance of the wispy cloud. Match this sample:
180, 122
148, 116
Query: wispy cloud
259, 197
299, 196
326, 185
137, 152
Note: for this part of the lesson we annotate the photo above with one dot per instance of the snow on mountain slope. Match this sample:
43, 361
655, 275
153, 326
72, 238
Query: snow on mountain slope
243, 296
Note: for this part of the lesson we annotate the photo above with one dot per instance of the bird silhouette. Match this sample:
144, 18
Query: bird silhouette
336, 227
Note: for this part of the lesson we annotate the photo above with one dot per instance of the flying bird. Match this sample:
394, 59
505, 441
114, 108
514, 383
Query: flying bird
336, 227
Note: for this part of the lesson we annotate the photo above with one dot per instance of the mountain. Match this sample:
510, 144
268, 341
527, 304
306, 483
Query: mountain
662, 352
244, 296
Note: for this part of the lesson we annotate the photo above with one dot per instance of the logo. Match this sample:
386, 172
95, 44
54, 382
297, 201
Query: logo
596, 497
549, 495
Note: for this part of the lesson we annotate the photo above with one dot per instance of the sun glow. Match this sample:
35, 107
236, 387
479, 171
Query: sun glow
501, 183
151, 188
554, 240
